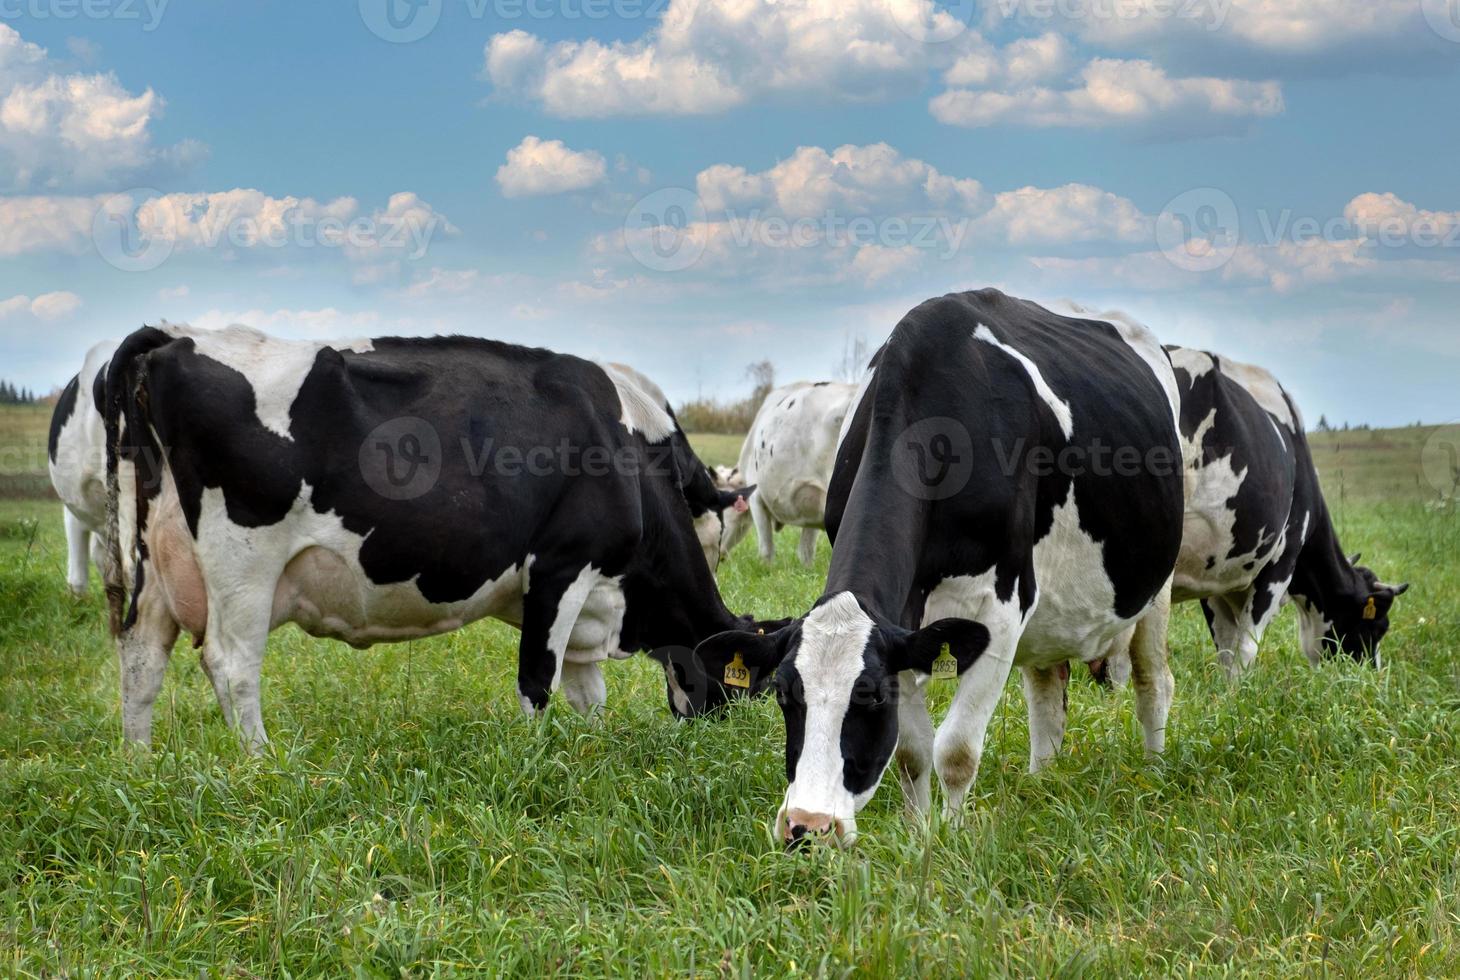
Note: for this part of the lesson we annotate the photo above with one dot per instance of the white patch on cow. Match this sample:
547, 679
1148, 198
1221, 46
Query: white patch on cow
1076, 617
788, 456
856, 403
829, 660
1263, 387
682, 703
642, 403
1313, 626
1059, 406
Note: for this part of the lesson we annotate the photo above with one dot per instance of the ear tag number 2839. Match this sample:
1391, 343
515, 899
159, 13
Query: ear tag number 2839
737, 674
945, 668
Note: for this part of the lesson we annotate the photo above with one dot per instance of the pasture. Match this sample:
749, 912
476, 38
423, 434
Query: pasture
409, 821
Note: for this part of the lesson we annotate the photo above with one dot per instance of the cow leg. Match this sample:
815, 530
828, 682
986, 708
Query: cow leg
806, 551
1151, 673
78, 554
584, 687
233, 659
958, 747
549, 610
143, 652
1047, 697
914, 744
765, 533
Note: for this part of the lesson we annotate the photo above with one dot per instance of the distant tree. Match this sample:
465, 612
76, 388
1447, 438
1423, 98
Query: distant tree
763, 375
854, 358
1323, 425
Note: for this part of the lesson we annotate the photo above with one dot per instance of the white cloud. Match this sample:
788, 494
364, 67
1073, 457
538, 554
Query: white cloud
238, 219
1028, 61
1116, 93
851, 179
1391, 220
1277, 26
59, 130
47, 306
1062, 215
706, 57
1284, 267
173, 292
538, 167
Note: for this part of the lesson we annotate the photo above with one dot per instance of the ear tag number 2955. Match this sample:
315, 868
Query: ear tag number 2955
945, 668
737, 674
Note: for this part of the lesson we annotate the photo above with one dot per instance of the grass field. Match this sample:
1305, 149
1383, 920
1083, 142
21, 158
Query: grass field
409, 820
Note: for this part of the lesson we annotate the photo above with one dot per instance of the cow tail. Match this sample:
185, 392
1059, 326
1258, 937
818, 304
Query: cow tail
129, 442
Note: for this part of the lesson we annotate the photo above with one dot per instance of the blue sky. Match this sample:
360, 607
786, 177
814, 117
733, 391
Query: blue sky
693, 185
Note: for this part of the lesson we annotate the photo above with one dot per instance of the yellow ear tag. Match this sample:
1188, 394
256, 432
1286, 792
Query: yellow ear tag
945, 668
737, 674
1371, 611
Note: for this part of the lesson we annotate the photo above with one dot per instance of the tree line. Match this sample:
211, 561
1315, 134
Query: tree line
11, 395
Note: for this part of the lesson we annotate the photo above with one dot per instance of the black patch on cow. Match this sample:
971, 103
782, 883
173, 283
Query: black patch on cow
65, 408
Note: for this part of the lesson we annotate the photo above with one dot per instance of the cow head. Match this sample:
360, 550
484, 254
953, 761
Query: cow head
734, 522
836, 679
1352, 622
701, 686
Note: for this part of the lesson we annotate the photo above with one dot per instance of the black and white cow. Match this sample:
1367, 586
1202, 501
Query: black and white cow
715, 498
383, 490
788, 458
1258, 531
1010, 482
77, 463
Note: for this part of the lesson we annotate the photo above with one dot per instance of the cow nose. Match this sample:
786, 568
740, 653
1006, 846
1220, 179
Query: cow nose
801, 826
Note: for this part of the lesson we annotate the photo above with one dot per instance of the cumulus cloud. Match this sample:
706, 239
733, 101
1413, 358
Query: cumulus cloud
1277, 26
706, 57
537, 167
47, 306
1391, 220
242, 219
1112, 92
67, 130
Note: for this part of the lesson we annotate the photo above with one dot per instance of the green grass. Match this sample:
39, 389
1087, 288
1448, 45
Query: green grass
409, 821
23, 433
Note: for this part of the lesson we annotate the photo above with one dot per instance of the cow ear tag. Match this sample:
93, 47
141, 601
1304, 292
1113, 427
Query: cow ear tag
1371, 611
736, 673
945, 668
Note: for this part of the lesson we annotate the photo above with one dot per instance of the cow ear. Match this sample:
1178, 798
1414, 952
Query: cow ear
735, 499
1378, 604
761, 649
962, 639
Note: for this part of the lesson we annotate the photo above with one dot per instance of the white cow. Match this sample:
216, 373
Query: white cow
78, 467
788, 458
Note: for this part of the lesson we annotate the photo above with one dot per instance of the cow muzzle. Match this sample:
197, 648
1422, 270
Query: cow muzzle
799, 828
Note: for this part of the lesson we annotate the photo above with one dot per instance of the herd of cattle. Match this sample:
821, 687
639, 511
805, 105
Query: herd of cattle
1006, 486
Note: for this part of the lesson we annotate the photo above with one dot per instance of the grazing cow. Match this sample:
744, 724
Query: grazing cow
788, 457
1258, 531
714, 499
383, 490
77, 452
1011, 483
